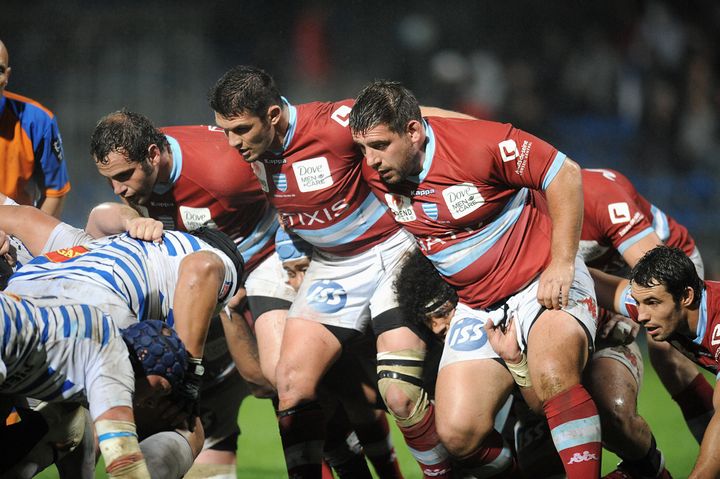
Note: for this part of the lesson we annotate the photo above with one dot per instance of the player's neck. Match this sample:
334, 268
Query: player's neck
165, 166
281, 129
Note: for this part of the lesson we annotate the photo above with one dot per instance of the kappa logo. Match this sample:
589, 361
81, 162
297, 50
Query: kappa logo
467, 335
326, 296
401, 206
280, 181
431, 210
584, 457
313, 174
462, 199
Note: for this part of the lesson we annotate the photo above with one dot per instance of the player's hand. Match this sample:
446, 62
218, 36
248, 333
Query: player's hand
619, 330
187, 395
146, 229
555, 281
503, 339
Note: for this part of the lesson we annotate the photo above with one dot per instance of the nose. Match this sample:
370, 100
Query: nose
234, 140
372, 159
118, 188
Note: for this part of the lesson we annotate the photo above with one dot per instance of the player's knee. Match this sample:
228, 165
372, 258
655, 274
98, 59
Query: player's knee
401, 386
459, 436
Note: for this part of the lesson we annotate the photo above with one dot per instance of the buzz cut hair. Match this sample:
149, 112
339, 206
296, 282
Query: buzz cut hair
127, 133
384, 102
244, 90
671, 268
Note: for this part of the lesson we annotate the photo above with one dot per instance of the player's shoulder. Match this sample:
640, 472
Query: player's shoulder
330, 113
463, 128
29, 108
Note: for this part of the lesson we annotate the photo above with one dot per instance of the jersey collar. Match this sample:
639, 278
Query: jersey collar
429, 154
162, 188
702, 319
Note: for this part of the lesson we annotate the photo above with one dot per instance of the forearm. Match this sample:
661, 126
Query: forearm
30, 225
195, 299
109, 219
53, 205
708, 462
565, 205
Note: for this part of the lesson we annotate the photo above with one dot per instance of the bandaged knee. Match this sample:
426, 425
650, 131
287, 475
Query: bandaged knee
120, 449
403, 370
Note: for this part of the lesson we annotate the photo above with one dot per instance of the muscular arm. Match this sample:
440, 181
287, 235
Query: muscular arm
195, 301
565, 204
29, 225
53, 206
434, 111
608, 289
114, 218
708, 462
633, 254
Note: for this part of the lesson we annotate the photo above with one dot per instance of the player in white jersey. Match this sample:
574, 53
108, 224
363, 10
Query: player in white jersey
75, 353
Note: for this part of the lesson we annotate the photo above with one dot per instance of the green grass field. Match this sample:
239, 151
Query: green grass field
260, 455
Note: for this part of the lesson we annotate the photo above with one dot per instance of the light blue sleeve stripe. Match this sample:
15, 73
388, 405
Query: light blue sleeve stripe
624, 299
631, 241
660, 223
457, 257
554, 169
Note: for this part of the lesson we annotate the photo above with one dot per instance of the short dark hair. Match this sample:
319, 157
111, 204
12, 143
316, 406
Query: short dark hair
125, 132
420, 289
384, 102
242, 90
669, 267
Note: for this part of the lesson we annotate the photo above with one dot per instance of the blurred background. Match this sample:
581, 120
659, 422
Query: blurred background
623, 84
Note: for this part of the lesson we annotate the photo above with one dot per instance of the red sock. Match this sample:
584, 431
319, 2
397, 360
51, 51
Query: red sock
425, 446
377, 444
575, 428
696, 404
302, 430
492, 459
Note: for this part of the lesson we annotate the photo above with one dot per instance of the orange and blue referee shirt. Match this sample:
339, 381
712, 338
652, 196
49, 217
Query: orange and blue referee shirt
31, 152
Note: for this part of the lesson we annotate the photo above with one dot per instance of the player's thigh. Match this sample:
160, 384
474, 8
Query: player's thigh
468, 395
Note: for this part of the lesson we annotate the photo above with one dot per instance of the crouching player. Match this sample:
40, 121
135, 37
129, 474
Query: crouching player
666, 295
56, 351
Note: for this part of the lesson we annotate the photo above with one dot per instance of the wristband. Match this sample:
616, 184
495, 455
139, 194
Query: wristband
520, 372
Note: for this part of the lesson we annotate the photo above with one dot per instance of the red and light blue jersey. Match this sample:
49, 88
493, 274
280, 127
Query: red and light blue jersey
477, 207
210, 185
31, 151
616, 217
316, 183
704, 348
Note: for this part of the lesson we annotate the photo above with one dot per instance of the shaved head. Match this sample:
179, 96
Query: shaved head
4, 67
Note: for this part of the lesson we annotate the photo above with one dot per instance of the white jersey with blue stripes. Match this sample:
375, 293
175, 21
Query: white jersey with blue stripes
56, 351
141, 274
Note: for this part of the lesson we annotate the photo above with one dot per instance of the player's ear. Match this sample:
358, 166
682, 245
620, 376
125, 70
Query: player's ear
273, 114
415, 130
154, 154
688, 297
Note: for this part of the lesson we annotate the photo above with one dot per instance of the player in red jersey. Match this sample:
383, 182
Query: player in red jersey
666, 295
187, 177
499, 214
307, 163
619, 226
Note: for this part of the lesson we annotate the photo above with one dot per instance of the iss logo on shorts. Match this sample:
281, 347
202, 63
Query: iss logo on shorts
313, 174
466, 335
401, 207
280, 181
326, 296
462, 199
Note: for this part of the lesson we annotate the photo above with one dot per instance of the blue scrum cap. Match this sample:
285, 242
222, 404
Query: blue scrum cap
290, 246
157, 349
